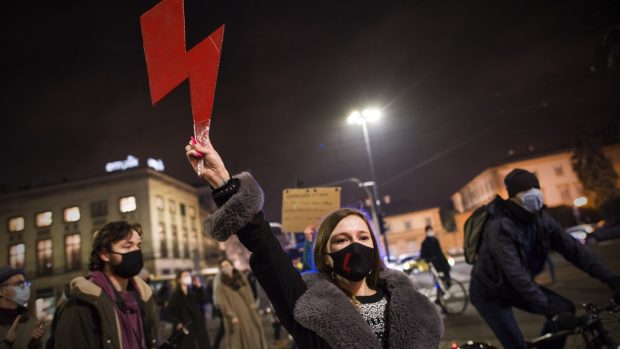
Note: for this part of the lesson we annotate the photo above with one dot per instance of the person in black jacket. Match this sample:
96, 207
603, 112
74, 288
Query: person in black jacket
185, 308
431, 252
351, 302
515, 244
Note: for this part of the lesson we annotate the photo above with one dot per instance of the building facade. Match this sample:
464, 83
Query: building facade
407, 231
49, 231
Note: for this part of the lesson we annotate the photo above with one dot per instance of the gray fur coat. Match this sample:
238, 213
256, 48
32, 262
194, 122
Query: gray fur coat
413, 322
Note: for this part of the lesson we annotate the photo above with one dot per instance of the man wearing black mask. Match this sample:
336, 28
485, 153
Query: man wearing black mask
516, 241
111, 307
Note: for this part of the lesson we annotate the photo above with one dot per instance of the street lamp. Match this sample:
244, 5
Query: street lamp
364, 117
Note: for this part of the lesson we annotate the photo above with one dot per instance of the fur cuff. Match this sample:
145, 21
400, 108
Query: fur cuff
238, 211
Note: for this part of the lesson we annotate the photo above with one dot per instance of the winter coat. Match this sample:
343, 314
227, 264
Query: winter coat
313, 309
239, 303
88, 320
185, 309
27, 324
504, 267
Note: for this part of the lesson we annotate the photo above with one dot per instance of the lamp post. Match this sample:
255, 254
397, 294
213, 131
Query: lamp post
363, 118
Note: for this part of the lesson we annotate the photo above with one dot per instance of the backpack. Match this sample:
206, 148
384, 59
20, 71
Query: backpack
473, 228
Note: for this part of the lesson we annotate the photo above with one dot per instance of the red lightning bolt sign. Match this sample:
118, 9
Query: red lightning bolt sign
169, 64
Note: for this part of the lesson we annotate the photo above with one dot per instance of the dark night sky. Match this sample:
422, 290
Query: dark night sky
478, 78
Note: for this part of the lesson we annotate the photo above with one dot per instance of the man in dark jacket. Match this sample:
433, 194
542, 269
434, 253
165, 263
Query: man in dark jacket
112, 307
431, 252
515, 244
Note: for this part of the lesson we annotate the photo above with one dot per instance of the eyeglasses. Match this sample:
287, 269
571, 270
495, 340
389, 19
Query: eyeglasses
19, 284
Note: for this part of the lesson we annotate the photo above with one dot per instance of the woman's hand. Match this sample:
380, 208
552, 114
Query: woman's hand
207, 163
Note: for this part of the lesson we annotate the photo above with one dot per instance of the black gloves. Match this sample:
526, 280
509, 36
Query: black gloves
614, 284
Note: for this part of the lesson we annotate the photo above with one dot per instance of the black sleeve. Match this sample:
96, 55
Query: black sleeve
172, 312
280, 280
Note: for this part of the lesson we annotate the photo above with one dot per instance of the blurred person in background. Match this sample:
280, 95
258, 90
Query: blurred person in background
18, 328
243, 328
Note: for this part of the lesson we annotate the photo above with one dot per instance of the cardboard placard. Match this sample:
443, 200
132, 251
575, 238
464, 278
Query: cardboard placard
302, 207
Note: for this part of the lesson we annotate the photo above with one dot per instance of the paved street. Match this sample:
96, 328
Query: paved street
570, 282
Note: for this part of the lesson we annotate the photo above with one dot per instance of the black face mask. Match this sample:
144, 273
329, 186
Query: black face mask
130, 265
353, 262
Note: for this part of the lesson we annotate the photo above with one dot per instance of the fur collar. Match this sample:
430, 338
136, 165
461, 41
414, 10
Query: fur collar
238, 211
413, 321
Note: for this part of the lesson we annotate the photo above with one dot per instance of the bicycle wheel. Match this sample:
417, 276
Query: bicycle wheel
455, 300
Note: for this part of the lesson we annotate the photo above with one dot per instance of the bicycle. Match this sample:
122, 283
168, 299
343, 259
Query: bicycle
453, 298
590, 326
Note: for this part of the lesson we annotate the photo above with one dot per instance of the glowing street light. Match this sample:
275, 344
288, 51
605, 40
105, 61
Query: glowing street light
363, 118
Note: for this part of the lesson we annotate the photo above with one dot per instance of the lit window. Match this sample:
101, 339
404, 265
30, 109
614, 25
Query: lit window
72, 214
159, 203
16, 224
73, 258
127, 204
17, 256
192, 212
43, 219
44, 257
173, 206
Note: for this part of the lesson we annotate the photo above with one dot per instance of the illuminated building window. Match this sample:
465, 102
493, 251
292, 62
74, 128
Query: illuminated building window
163, 241
17, 254
16, 224
44, 257
559, 170
173, 206
127, 204
99, 208
43, 219
73, 256
159, 203
71, 214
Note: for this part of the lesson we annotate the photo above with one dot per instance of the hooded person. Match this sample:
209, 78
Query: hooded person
516, 241
18, 328
112, 307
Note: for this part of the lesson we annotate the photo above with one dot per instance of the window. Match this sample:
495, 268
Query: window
428, 221
173, 206
127, 204
185, 243
43, 219
99, 208
16, 224
175, 242
192, 217
407, 225
73, 258
44, 257
17, 255
159, 203
72, 214
564, 191
182, 209
163, 242
559, 170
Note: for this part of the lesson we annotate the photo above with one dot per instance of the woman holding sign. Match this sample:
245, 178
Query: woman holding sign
352, 301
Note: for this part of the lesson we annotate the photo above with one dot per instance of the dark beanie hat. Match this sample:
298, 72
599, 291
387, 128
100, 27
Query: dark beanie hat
7, 272
519, 180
